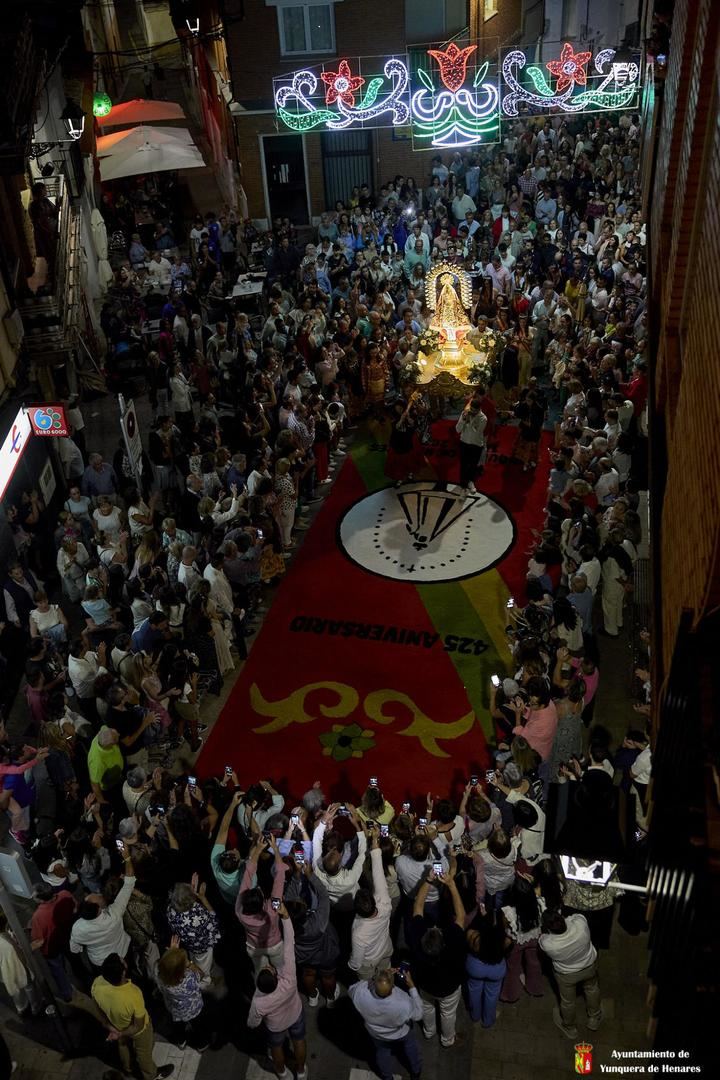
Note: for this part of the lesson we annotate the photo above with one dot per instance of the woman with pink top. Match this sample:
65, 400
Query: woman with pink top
539, 720
255, 910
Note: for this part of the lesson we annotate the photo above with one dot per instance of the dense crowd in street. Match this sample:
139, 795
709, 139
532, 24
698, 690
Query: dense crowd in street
212, 905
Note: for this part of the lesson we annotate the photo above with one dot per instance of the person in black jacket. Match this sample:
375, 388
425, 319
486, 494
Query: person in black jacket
317, 948
438, 958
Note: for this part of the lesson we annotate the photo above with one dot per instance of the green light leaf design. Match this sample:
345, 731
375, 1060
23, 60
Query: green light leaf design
616, 99
425, 78
480, 74
306, 121
540, 82
371, 93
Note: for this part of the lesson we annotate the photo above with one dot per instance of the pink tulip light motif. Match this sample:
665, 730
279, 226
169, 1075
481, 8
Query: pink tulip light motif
453, 64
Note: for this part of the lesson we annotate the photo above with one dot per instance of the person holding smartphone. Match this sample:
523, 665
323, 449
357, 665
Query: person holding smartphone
471, 428
226, 864
371, 944
255, 911
388, 1013
277, 1003
341, 881
438, 958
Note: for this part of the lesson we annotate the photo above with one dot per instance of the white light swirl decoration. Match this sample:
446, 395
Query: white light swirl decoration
301, 79
519, 93
397, 72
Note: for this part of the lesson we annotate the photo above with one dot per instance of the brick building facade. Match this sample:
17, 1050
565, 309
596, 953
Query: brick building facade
682, 186
361, 28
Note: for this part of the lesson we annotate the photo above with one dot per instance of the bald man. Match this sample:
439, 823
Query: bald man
388, 1013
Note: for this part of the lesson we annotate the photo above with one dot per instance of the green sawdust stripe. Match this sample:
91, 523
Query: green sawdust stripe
369, 463
489, 595
452, 612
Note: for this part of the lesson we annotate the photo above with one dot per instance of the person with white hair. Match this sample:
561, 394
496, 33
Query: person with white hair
389, 1013
138, 791
99, 479
105, 764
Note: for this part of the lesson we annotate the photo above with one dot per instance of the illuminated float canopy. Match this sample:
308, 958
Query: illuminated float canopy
450, 97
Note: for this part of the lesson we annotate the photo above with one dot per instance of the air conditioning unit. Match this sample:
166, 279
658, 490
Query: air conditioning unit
14, 328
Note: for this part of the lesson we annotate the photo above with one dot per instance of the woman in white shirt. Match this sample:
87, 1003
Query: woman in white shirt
47, 620
140, 514
108, 520
72, 559
207, 507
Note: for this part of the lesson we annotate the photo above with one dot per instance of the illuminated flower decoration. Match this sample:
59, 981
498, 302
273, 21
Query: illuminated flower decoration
453, 64
345, 742
570, 68
341, 84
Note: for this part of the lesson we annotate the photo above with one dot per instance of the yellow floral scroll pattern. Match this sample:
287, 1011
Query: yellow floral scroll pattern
291, 710
294, 710
422, 727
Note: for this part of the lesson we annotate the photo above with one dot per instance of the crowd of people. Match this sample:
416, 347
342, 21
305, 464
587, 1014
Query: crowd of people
133, 606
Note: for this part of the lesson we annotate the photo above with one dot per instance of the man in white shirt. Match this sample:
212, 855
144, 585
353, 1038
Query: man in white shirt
371, 944
84, 667
607, 487
461, 204
71, 459
471, 428
159, 270
188, 573
417, 234
590, 567
220, 588
574, 959
472, 224
99, 929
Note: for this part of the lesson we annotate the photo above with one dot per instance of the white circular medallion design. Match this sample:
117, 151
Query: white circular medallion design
423, 533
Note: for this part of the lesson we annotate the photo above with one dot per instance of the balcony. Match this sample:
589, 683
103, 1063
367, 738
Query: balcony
50, 320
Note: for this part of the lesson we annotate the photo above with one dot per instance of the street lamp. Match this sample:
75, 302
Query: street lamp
74, 119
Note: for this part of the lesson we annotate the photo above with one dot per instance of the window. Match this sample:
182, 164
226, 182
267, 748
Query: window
306, 28
490, 8
434, 20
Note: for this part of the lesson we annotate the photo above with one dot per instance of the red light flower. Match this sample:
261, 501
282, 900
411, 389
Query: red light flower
341, 84
570, 68
453, 64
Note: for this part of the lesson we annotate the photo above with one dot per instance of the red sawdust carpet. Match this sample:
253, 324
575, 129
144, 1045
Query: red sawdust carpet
354, 675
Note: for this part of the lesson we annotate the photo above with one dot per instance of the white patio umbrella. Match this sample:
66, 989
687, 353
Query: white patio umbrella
136, 138
99, 234
140, 111
151, 158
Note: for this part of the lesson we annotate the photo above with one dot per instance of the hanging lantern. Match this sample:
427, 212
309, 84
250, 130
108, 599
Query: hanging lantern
74, 119
101, 103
